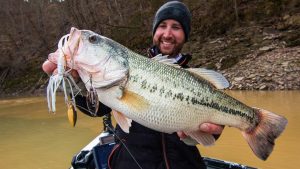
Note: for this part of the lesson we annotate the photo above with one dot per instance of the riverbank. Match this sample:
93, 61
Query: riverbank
264, 56
254, 44
278, 69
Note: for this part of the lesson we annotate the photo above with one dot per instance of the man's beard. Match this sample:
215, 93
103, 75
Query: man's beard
175, 49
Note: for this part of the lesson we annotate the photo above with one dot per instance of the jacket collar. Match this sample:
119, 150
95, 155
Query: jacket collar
180, 59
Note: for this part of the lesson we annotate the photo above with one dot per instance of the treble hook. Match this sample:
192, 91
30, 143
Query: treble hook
92, 100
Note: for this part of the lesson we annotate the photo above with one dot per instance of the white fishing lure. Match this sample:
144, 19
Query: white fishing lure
60, 79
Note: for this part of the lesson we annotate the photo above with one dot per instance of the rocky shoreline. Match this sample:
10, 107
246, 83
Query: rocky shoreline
258, 57
278, 69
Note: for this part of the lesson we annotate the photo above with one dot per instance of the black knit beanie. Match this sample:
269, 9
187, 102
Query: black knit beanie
174, 10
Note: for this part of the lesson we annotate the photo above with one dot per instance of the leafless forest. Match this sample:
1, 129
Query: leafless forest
30, 29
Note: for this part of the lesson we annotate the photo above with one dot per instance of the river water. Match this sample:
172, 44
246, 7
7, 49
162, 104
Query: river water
33, 138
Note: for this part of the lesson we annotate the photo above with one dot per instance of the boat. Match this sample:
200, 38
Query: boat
95, 154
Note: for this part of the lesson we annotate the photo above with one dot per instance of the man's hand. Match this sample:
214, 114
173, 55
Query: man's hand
207, 128
49, 67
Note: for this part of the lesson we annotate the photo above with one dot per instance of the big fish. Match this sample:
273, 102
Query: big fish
164, 97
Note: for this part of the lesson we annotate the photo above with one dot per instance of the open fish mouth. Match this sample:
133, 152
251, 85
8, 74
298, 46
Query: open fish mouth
74, 45
70, 44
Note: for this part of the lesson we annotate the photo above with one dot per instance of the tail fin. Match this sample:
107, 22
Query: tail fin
261, 139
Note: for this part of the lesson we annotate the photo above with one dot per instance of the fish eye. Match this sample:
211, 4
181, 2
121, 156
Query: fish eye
93, 39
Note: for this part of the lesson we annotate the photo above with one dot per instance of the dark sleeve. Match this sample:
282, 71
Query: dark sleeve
82, 106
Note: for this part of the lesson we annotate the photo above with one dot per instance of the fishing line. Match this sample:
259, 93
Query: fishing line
71, 82
122, 142
125, 146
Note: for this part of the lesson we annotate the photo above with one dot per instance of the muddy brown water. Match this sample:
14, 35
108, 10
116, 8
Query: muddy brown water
33, 138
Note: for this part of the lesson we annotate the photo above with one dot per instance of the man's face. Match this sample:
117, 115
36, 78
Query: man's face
169, 37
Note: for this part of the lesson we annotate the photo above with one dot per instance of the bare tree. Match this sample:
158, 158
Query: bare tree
236, 12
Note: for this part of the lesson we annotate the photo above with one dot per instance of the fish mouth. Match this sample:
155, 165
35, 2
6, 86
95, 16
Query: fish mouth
74, 41
76, 45
100, 65
70, 44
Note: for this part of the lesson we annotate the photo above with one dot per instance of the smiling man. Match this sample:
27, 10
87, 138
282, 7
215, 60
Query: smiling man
169, 37
152, 149
171, 28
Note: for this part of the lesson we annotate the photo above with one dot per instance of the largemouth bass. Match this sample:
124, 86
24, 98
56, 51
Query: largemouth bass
163, 97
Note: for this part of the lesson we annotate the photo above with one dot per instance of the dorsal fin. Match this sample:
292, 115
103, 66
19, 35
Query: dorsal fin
215, 78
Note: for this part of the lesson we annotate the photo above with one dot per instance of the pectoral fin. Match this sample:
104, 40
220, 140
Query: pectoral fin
123, 121
215, 78
201, 137
134, 101
189, 141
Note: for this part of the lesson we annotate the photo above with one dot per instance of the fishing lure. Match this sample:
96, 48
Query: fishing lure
92, 100
61, 79
72, 114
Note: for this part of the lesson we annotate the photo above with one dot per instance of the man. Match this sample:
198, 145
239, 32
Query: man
144, 147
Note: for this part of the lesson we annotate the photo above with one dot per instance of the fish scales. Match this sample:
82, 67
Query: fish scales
166, 98
172, 87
